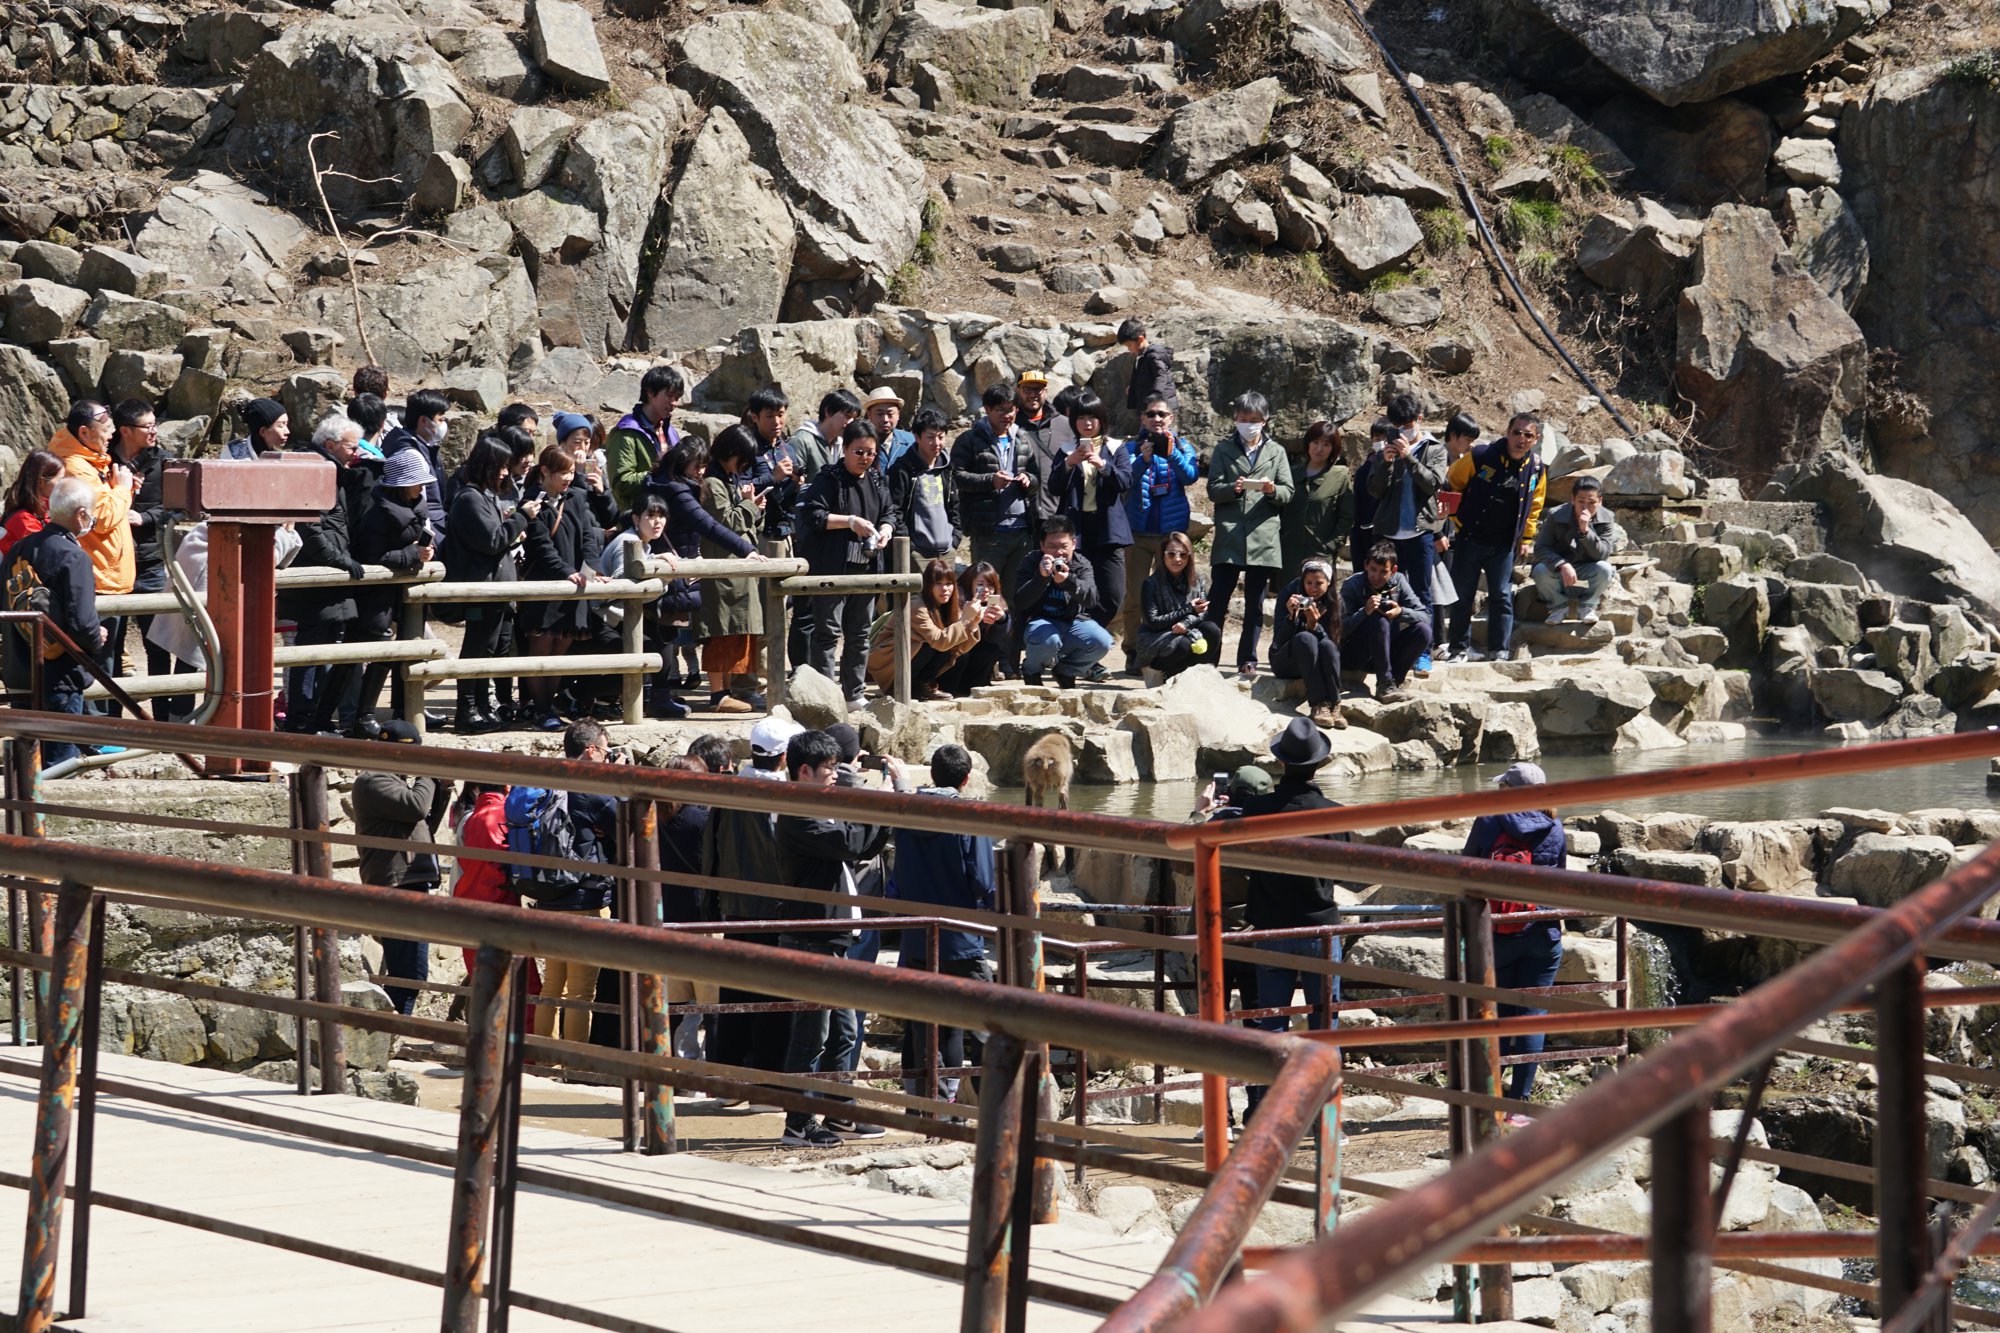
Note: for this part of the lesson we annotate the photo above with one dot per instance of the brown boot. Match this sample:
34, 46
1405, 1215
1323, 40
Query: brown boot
1328, 716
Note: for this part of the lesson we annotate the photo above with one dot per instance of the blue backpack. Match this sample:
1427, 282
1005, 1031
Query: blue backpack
538, 824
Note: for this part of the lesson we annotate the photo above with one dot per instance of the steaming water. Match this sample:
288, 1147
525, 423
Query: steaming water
1951, 786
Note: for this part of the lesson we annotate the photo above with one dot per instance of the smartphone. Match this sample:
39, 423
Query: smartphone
875, 763
1220, 781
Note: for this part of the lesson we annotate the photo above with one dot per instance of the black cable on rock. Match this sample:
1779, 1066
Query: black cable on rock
1479, 220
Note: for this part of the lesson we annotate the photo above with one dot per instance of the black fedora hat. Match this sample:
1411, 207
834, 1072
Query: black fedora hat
1301, 745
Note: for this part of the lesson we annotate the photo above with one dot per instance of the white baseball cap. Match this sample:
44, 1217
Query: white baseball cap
772, 735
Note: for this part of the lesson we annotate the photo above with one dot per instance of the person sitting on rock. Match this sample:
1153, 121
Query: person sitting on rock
1056, 592
1176, 630
1501, 488
1305, 640
1387, 626
946, 628
1573, 550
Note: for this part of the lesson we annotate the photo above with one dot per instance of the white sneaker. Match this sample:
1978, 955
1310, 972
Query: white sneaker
1560, 614
1473, 655
1588, 618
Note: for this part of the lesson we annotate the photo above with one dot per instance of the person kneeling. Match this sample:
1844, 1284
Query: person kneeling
1056, 591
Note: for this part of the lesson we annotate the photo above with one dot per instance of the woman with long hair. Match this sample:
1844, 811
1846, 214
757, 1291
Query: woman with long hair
27, 507
1305, 640
694, 530
480, 536
945, 624
563, 542
1321, 513
1176, 629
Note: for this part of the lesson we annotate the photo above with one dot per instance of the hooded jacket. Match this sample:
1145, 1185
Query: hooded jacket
1536, 828
109, 541
390, 805
1152, 377
484, 829
950, 870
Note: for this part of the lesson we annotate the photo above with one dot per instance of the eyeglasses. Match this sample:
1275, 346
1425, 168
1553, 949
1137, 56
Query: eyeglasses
860, 453
100, 418
1174, 554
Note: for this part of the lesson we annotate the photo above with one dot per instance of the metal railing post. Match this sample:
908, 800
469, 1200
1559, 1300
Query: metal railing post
632, 635
257, 555
1458, 1117
86, 1114
61, 1039
996, 1164
310, 783
1021, 1226
777, 671
1208, 958
1496, 1281
506, 1184
479, 1121
1683, 1238
301, 960
24, 786
1901, 1138
1024, 899
655, 1022
899, 602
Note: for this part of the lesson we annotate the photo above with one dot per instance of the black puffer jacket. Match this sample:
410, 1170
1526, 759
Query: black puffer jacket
563, 538
837, 491
393, 533
328, 543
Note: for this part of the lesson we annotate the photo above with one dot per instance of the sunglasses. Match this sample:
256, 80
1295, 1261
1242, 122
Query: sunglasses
1158, 416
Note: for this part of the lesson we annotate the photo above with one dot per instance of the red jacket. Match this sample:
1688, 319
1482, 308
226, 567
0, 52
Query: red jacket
485, 829
20, 524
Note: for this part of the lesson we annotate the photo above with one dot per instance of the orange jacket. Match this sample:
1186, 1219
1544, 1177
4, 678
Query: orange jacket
109, 541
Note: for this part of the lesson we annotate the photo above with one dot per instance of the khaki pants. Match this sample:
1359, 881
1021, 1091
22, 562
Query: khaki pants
565, 980
1140, 559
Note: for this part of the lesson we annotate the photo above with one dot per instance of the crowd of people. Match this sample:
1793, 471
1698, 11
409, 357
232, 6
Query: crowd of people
1044, 542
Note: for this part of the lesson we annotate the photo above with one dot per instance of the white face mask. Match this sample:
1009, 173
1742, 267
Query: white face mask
1248, 431
86, 522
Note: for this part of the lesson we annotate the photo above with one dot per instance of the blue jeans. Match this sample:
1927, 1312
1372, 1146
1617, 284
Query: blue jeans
1072, 646
1469, 560
1592, 578
1525, 960
410, 960
62, 692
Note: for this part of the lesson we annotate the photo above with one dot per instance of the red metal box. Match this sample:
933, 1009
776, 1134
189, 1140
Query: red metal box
277, 488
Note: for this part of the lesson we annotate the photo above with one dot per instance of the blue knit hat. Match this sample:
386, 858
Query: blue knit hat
568, 423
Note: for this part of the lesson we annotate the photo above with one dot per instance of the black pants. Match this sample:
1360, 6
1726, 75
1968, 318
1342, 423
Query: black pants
750, 1041
976, 665
846, 619
1314, 659
1223, 585
408, 959
1108, 564
483, 628
314, 693
808, 1050
954, 1044
927, 664
377, 624
1179, 655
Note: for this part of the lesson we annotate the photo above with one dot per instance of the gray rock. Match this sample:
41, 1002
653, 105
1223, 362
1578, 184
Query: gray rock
1204, 136
1095, 83
1845, 694
1592, 704
1777, 370
1640, 250
480, 388
1828, 243
1911, 540
1409, 307
80, 361
730, 240
146, 375
1968, 680
33, 400
1553, 123
494, 63
1697, 868
457, 309
1765, 857
1318, 34
1662, 474
856, 193
1807, 162
1364, 89
1012, 256
1821, 567
1108, 145
1903, 651
49, 262
1302, 224
129, 324
991, 55
564, 43
197, 392
1253, 220
213, 232
443, 185
1307, 181
1372, 235
534, 142
1881, 869
393, 100
1525, 181
37, 311
1391, 175
1680, 53
1830, 612
105, 269
1741, 608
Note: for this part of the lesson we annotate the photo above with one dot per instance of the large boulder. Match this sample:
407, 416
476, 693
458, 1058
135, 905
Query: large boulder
1638, 249
1311, 36
1308, 366
1584, 705
1676, 52
1828, 242
615, 167
33, 400
564, 42
1847, 694
452, 311
992, 55
1777, 371
810, 359
391, 99
1204, 136
1371, 234
1881, 869
795, 91
728, 252
36, 311
215, 232
1702, 154
1934, 272
1910, 539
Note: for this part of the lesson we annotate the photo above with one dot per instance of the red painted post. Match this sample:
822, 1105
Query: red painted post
259, 628
310, 781
1496, 1281
61, 1045
1683, 1237
226, 609
479, 1125
1208, 939
655, 1022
